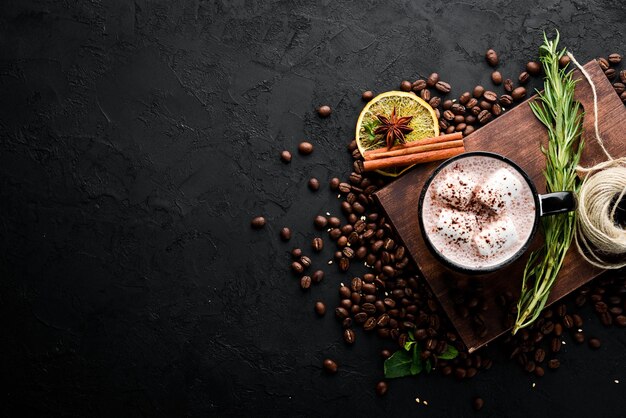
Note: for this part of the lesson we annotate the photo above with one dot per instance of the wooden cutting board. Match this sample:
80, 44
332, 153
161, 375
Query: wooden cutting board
516, 134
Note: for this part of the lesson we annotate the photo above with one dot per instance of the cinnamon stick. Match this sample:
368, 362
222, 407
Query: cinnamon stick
404, 160
416, 149
426, 141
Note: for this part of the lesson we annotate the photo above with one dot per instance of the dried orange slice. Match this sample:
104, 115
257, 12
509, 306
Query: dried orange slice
424, 122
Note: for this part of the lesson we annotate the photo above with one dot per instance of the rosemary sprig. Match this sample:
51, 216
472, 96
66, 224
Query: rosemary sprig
560, 113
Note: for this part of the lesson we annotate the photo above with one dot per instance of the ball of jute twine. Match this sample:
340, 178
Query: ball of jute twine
599, 239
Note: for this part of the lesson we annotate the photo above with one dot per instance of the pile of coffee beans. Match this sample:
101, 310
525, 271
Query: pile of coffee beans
390, 299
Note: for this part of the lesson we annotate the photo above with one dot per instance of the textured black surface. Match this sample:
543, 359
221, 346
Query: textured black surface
138, 139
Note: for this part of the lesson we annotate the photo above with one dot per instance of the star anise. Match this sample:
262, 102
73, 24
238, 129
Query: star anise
393, 128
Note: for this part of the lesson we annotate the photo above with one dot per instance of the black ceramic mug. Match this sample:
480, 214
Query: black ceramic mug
544, 205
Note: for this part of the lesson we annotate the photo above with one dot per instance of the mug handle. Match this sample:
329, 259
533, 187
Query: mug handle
557, 202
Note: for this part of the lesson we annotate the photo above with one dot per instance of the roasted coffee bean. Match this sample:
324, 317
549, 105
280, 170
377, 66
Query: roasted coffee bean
555, 345
367, 95
296, 253
349, 336
425, 94
458, 119
358, 208
523, 77
594, 343
296, 267
344, 292
320, 308
405, 85
530, 366
533, 68
448, 115
381, 388
578, 320
305, 148
460, 373
330, 366
341, 312
623, 97
348, 252
477, 109
317, 276
496, 77
519, 93
285, 234
508, 85
540, 355
460, 127
604, 63
561, 310
447, 104
506, 100
370, 324
490, 96
334, 233
568, 322
368, 308
492, 57
610, 73
450, 129
478, 404
443, 124
554, 363
432, 80
458, 109
619, 87
614, 59
305, 282
478, 91
317, 244
468, 130
564, 61
257, 222
320, 222
356, 154
464, 99
285, 156
345, 187
496, 109
356, 284
434, 102
484, 116
334, 183
443, 87
622, 76
579, 337
620, 320
305, 261
418, 85
324, 111
344, 264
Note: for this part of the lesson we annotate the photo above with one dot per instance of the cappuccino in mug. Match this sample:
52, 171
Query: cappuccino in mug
478, 212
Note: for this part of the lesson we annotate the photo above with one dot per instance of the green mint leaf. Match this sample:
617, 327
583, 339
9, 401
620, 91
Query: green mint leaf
449, 354
416, 365
398, 365
429, 366
408, 344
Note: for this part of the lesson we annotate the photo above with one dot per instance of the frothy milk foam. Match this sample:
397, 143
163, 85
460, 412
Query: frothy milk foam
478, 211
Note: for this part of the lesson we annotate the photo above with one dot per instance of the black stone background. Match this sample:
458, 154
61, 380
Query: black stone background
138, 139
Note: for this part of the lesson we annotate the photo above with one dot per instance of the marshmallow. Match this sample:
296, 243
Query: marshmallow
456, 226
499, 190
495, 237
456, 190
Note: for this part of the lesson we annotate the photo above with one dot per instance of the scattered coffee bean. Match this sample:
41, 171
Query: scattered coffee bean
615, 59
533, 68
405, 85
425, 94
619, 87
506, 100
367, 95
508, 85
320, 308
296, 267
296, 253
478, 92
432, 80
519, 93
349, 336
324, 111
305, 282
330, 366
257, 222
490, 96
523, 77
318, 276
334, 183
594, 343
320, 222
285, 156
604, 63
305, 148
496, 77
443, 87
381, 388
314, 184
564, 61
418, 85
554, 364
492, 57
317, 244
622, 76
285, 234
305, 261
610, 73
